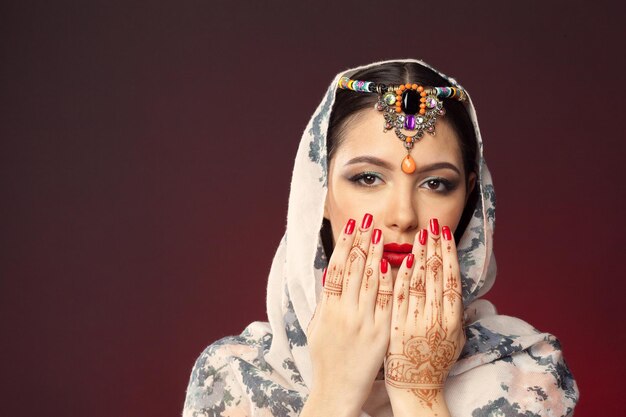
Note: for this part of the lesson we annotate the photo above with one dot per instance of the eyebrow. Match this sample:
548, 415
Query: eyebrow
384, 164
370, 160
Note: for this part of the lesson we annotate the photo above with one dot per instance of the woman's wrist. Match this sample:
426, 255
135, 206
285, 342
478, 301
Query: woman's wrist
407, 403
324, 404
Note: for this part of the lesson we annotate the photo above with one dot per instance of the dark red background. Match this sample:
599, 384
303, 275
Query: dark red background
147, 150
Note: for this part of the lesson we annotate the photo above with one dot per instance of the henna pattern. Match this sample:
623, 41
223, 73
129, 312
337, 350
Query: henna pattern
400, 298
434, 261
368, 274
357, 248
434, 265
332, 286
356, 252
383, 298
358, 242
418, 290
451, 292
334, 282
423, 365
369, 271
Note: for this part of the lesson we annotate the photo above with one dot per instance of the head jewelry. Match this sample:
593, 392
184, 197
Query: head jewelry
411, 107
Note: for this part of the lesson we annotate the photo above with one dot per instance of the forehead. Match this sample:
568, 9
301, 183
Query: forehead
363, 135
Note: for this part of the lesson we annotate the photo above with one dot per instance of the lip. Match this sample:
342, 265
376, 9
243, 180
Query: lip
395, 258
397, 247
395, 252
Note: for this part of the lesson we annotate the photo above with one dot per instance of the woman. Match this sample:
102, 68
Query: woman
383, 283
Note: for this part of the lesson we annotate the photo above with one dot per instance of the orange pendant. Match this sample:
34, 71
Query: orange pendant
408, 165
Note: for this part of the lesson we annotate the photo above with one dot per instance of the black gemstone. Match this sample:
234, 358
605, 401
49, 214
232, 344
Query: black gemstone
410, 102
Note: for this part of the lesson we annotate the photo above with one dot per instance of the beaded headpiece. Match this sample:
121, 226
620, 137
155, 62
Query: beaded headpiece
412, 107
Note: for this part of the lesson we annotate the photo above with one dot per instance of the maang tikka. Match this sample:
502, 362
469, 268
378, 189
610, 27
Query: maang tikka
409, 106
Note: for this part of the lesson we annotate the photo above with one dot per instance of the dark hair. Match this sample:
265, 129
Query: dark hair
349, 103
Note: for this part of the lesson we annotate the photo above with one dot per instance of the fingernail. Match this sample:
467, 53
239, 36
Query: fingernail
434, 227
324, 277
350, 226
376, 236
384, 265
409, 260
445, 231
423, 236
367, 221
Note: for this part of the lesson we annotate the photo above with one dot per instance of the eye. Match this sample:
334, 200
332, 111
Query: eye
369, 179
439, 185
366, 179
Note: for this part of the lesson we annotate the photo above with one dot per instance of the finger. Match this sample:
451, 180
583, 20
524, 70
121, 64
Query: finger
401, 298
312, 324
355, 265
452, 299
334, 275
417, 289
384, 294
369, 283
434, 276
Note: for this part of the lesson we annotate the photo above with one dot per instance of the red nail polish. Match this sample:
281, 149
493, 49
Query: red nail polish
324, 277
350, 226
409, 260
384, 265
423, 236
367, 221
434, 227
445, 231
376, 236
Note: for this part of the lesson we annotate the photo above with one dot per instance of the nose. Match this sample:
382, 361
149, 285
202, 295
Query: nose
401, 210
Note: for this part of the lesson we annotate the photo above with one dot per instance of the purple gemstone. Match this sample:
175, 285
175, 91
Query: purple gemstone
409, 123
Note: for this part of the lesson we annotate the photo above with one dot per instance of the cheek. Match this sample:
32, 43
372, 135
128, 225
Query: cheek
446, 210
339, 210
344, 204
454, 212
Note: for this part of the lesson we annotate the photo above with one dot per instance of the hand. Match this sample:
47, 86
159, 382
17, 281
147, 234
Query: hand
349, 334
427, 323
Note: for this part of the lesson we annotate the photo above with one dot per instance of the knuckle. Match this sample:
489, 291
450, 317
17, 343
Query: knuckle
455, 327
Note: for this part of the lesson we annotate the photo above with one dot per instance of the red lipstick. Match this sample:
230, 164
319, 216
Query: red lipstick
397, 247
396, 252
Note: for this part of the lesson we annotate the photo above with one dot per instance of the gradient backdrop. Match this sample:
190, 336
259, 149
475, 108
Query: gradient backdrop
146, 154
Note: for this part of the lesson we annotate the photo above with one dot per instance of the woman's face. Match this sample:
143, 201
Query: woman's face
365, 176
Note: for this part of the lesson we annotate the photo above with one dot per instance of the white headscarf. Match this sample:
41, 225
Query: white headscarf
507, 367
